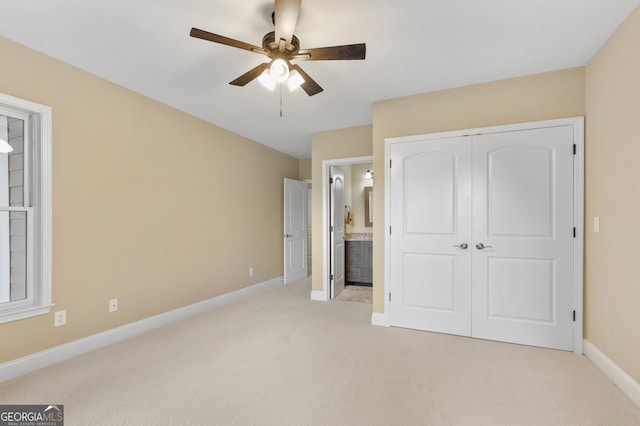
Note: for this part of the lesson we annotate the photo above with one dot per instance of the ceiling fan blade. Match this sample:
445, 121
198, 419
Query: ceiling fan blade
250, 75
309, 85
206, 35
345, 52
285, 18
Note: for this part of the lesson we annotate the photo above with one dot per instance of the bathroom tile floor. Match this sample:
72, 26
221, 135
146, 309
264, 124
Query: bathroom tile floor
356, 293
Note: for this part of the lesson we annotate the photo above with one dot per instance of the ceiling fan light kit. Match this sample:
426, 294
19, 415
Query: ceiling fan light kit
5, 148
270, 78
279, 70
295, 80
282, 47
266, 80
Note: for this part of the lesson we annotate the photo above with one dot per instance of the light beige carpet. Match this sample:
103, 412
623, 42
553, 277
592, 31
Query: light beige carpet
278, 358
356, 293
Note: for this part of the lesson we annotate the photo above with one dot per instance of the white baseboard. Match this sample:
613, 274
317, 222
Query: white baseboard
38, 360
626, 383
379, 319
320, 296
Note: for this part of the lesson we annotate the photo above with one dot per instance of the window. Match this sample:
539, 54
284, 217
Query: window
25, 209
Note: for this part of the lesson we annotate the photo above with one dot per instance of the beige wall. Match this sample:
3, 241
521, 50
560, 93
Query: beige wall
538, 97
612, 285
304, 169
331, 145
150, 205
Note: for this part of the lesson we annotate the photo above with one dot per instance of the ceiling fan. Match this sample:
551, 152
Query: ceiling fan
282, 47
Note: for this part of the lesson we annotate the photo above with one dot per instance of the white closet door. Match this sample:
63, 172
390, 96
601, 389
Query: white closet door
523, 213
430, 187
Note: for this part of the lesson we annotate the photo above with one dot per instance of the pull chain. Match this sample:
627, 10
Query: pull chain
280, 99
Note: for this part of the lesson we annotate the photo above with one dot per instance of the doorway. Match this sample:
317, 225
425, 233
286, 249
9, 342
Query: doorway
348, 209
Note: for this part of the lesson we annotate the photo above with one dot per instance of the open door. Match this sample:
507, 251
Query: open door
336, 231
295, 230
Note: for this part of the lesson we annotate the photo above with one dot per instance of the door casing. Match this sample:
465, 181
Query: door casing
578, 210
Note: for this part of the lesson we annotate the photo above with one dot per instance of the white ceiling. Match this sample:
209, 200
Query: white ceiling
413, 46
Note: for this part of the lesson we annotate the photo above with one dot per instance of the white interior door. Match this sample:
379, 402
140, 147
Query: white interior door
295, 230
430, 235
336, 228
523, 202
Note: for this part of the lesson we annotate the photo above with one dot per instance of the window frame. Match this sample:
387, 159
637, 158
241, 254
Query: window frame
38, 135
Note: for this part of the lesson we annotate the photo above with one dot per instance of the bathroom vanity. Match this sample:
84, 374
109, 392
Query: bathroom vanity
359, 258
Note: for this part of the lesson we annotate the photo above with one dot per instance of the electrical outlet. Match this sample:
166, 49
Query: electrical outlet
113, 305
60, 318
250, 272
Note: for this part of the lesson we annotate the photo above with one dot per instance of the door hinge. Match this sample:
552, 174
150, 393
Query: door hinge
389, 230
331, 277
575, 149
574, 232
330, 180
389, 163
331, 228
574, 316
389, 297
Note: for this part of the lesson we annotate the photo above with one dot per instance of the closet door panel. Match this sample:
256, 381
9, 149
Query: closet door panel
520, 191
429, 193
523, 215
430, 216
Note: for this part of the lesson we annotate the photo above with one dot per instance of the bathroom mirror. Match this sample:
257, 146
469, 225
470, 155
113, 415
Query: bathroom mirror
368, 206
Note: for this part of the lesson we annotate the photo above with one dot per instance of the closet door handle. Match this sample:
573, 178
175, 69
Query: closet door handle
463, 246
481, 246
288, 235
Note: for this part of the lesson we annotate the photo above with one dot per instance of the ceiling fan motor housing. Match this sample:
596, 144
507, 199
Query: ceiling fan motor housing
272, 46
